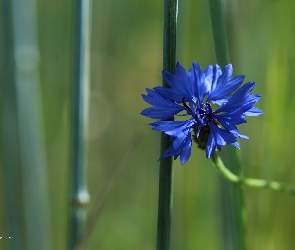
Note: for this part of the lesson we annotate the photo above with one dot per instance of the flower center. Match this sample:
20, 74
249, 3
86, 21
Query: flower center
201, 112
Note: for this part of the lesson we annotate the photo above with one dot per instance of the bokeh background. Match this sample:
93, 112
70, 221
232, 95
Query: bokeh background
126, 58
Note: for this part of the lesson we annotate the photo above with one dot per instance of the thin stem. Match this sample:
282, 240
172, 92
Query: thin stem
166, 169
37, 221
236, 195
219, 32
250, 182
80, 195
11, 179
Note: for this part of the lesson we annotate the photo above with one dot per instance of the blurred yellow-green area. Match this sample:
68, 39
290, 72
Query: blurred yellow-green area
126, 58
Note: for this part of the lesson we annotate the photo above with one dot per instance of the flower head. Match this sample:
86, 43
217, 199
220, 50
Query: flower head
191, 94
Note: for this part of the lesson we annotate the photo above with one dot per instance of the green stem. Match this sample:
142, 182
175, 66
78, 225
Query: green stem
219, 32
166, 169
33, 160
236, 195
250, 182
11, 169
79, 192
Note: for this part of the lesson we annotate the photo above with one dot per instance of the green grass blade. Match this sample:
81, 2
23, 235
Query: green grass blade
30, 121
79, 192
10, 141
219, 32
166, 168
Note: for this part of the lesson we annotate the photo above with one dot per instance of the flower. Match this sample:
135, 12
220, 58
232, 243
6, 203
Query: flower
190, 94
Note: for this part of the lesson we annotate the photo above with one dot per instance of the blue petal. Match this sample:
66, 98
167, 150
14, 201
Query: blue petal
228, 87
216, 73
170, 151
240, 99
238, 135
159, 113
224, 86
211, 145
180, 138
201, 86
221, 101
208, 76
229, 118
173, 128
241, 107
179, 82
235, 144
191, 83
233, 129
162, 108
253, 112
169, 93
217, 134
219, 137
180, 134
186, 150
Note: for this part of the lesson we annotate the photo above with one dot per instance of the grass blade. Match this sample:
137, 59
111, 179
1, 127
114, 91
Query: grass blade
79, 192
30, 121
166, 168
10, 139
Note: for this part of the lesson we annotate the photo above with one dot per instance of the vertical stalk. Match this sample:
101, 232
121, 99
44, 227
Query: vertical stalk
232, 159
219, 32
79, 192
166, 168
30, 125
10, 140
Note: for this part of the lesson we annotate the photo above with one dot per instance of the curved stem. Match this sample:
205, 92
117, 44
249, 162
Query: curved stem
250, 182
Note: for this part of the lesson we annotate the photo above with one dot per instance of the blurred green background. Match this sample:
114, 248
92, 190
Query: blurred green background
126, 58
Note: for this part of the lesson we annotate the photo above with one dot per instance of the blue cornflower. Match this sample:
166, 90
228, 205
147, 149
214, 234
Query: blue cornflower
190, 95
